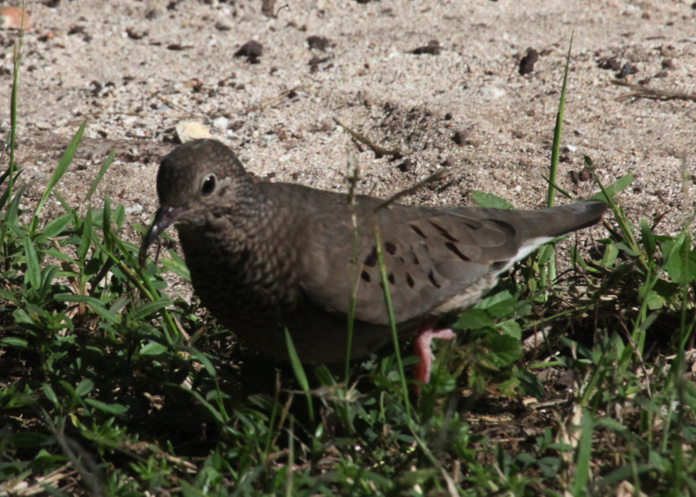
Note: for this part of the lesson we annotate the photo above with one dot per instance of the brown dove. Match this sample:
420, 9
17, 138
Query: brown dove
264, 257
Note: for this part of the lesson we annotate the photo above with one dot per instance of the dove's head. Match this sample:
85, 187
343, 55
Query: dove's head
193, 180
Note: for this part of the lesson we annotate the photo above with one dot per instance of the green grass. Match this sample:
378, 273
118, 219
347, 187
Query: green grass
108, 386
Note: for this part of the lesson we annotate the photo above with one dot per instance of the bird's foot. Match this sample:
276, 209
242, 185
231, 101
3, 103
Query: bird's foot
421, 348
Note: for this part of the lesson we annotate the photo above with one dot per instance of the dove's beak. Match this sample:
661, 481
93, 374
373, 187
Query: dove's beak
164, 218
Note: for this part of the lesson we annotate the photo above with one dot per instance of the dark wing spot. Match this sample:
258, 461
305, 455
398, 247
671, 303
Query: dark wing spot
453, 247
506, 226
474, 226
371, 260
418, 231
391, 248
432, 279
410, 281
443, 232
402, 260
365, 276
415, 259
391, 278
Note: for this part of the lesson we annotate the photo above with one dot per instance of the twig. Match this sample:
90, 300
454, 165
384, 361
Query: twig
640, 91
286, 6
280, 97
412, 189
116, 113
177, 106
379, 151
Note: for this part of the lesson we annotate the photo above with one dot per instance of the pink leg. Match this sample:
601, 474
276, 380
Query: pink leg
421, 348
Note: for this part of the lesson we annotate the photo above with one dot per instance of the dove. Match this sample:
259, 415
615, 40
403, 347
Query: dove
265, 257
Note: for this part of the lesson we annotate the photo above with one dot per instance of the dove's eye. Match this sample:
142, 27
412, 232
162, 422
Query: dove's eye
208, 184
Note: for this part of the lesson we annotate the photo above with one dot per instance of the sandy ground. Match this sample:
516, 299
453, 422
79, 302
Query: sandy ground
136, 69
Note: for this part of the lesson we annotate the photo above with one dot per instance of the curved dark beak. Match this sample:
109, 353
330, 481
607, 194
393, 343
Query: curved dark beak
164, 218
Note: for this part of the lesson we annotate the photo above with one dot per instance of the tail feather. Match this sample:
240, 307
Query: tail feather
535, 228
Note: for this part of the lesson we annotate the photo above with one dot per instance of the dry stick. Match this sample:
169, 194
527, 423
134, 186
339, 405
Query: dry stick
438, 175
640, 91
115, 113
280, 97
156, 94
286, 6
379, 151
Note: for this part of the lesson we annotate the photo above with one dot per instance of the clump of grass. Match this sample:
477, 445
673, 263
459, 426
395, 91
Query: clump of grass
110, 387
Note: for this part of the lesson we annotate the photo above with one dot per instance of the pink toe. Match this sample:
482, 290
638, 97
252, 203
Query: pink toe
421, 348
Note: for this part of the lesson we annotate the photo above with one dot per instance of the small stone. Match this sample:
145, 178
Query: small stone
136, 34
609, 63
268, 8
459, 137
491, 92
628, 69
188, 131
432, 48
406, 166
252, 50
668, 51
76, 29
11, 18
221, 123
315, 62
527, 62
178, 47
318, 43
134, 209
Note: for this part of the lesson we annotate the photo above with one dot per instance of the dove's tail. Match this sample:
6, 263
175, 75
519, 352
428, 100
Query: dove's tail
535, 228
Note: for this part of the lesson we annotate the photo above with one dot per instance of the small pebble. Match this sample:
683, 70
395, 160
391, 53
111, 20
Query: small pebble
188, 131
221, 123
252, 50
318, 43
527, 62
432, 48
134, 209
11, 18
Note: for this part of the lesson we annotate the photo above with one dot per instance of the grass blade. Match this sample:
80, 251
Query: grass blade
32, 277
555, 150
6, 194
100, 174
299, 372
92, 302
13, 121
582, 468
392, 323
57, 175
